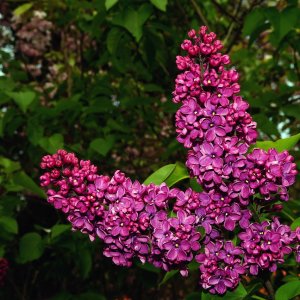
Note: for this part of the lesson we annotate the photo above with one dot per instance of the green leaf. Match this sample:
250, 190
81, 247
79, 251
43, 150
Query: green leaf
289, 278
84, 260
20, 10
179, 173
9, 224
110, 3
288, 291
238, 294
168, 276
195, 185
160, 4
59, 229
35, 131
8, 165
253, 20
31, 247
133, 20
291, 110
22, 99
53, 143
284, 23
103, 146
295, 224
280, 145
193, 266
113, 39
266, 124
148, 267
22, 179
193, 296
160, 175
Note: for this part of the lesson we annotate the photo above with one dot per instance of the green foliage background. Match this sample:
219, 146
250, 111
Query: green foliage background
110, 101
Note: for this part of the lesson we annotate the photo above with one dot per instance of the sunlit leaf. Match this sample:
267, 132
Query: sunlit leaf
160, 175
110, 3
280, 145
295, 224
179, 173
20, 10
288, 291
160, 4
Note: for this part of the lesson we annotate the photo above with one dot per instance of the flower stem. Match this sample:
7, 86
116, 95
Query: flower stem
255, 214
268, 285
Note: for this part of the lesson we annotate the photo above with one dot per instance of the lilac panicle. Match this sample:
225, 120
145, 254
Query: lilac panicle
162, 226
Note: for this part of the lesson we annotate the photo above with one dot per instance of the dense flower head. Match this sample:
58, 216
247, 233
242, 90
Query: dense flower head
265, 245
129, 217
167, 227
217, 129
221, 266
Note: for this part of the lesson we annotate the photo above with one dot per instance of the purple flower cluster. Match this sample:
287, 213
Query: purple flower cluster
270, 173
162, 226
213, 123
131, 218
265, 245
221, 266
133, 221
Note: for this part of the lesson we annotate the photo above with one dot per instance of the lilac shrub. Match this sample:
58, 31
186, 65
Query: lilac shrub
162, 225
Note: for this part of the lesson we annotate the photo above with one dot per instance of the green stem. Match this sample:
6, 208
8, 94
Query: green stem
255, 214
268, 285
288, 215
200, 14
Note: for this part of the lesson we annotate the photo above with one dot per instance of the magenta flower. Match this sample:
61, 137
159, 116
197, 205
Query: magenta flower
222, 97
229, 215
211, 156
213, 127
177, 250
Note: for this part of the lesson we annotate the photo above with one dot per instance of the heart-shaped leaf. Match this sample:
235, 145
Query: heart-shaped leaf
133, 20
22, 99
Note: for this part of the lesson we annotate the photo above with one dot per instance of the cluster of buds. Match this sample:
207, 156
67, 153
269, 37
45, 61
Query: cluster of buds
162, 226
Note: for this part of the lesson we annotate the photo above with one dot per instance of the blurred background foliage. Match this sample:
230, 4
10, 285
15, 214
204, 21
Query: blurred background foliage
95, 78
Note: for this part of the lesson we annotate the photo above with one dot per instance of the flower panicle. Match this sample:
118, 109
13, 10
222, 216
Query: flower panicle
169, 227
